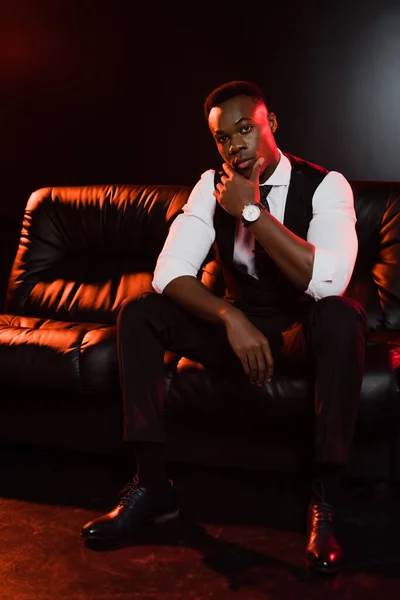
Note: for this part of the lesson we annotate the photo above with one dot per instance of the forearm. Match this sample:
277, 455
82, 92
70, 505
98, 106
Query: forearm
247, 342
293, 255
197, 299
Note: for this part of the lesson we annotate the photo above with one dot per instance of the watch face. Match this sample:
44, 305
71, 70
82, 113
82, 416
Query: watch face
251, 212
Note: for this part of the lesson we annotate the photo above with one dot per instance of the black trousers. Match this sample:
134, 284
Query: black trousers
330, 335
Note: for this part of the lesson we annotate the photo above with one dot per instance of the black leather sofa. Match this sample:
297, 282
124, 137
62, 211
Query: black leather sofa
83, 250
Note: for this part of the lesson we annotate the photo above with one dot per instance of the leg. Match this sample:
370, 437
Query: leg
330, 337
337, 330
333, 336
146, 328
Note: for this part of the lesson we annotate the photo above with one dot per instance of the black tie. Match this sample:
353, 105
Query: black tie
259, 252
264, 191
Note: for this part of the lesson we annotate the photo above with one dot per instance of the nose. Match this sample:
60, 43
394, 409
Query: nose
237, 144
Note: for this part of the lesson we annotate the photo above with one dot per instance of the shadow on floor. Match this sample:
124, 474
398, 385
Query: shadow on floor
245, 528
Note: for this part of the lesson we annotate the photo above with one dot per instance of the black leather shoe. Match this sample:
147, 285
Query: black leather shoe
323, 553
137, 507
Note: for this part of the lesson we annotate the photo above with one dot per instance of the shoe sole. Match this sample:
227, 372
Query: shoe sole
158, 520
322, 570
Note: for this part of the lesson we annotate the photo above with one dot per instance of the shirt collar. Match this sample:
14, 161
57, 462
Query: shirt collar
281, 175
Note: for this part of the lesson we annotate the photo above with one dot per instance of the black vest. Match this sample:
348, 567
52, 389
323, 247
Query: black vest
272, 292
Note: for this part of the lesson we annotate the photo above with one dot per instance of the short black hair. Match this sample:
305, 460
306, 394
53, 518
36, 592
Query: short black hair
229, 90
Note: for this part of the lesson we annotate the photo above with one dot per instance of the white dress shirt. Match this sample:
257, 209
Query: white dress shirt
331, 232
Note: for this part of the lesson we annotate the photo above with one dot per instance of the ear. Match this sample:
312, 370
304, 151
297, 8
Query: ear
273, 123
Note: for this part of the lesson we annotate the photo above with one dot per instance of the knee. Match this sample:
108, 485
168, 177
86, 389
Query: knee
338, 313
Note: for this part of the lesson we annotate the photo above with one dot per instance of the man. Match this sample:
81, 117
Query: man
285, 233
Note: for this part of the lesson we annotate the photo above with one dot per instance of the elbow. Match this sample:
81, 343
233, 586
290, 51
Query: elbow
308, 269
157, 284
174, 287
325, 289
328, 278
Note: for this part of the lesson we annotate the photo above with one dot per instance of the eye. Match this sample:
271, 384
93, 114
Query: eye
246, 129
223, 139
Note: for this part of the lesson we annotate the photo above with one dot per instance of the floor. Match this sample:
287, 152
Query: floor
240, 535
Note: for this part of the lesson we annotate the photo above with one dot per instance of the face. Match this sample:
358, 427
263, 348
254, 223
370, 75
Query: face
243, 130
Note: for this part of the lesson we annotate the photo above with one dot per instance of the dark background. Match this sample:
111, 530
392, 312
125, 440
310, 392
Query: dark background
95, 92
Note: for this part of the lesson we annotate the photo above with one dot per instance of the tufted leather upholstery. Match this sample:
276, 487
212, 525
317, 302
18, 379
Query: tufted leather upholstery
83, 250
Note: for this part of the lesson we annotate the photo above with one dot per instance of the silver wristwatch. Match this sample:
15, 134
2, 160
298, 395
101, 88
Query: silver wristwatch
250, 213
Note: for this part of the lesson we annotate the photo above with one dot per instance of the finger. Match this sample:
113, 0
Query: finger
269, 360
224, 179
261, 367
245, 364
255, 174
228, 170
253, 368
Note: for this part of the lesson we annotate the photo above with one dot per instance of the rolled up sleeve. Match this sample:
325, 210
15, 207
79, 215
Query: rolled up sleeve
333, 234
190, 237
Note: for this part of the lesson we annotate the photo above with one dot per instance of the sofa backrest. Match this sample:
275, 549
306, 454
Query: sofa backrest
376, 277
84, 249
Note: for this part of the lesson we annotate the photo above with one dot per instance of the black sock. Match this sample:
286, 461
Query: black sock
151, 466
326, 484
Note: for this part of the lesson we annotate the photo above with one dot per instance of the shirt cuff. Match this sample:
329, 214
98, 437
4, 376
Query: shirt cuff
324, 269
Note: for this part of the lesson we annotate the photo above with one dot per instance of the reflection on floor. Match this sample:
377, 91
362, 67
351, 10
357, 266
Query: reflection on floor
240, 535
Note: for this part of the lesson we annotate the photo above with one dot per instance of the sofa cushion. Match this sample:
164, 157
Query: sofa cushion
48, 354
285, 405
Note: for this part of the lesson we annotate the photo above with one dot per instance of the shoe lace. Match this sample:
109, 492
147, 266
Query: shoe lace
130, 493
323, 511
323, 515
